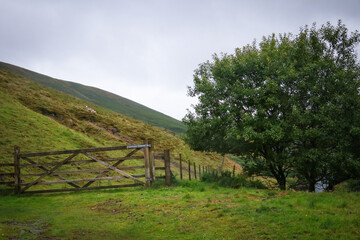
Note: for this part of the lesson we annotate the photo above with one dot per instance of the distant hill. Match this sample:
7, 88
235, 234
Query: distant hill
102, 98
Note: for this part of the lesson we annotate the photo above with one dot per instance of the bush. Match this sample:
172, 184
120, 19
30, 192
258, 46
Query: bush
350, 185
353, 185
227, 179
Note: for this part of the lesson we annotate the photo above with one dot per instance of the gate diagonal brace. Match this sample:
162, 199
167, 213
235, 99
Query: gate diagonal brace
49, 172
114, 165
113, 168
46, 170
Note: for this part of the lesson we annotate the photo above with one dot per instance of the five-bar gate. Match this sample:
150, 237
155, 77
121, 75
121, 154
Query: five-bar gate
134, 167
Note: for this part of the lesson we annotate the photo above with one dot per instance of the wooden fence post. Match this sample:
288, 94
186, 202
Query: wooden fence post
194, 171
189, 166
167, 168
199, 172
17, 170
181, 176
152, 161
147, 165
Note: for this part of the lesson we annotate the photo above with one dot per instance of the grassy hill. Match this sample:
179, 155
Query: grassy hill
38, 118
102, 98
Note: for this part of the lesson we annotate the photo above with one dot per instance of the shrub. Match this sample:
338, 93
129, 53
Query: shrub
227, 179
350, 185
353, 185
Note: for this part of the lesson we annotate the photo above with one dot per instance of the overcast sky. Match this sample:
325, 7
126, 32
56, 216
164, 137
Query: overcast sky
147, 51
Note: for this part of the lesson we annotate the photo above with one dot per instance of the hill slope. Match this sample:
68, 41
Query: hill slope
38, 118
102, 98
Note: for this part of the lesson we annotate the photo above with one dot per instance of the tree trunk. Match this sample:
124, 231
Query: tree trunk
282, 183
279, 175
312, 186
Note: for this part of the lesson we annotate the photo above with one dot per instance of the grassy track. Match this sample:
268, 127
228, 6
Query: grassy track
190, 210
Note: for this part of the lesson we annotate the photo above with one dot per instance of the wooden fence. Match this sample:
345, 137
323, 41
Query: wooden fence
60, 167
63, 169
5, 177
189, 169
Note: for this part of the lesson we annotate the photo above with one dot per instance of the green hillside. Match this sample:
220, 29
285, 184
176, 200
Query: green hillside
38, 118
102, 98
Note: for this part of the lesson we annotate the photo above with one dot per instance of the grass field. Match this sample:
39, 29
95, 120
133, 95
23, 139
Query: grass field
188, 210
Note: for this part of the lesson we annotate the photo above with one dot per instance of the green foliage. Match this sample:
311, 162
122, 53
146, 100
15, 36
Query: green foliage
102, 98
227, 179
353, 185
289, 106
237, 159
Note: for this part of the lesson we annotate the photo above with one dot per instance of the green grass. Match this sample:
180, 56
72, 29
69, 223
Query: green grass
22, 129
102, 98
190, 210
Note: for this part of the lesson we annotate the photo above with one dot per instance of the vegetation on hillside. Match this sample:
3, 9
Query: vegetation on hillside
289, 106
38, 118
102, 98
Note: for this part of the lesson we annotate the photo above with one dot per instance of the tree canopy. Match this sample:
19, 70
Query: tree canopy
288, 105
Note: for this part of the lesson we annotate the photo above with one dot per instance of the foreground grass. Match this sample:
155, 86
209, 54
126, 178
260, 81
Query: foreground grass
191, 210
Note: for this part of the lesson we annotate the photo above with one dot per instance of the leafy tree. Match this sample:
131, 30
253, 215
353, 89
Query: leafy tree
329, 100
290, 105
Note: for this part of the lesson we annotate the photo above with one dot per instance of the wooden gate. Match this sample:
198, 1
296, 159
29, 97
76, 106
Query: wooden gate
60, 167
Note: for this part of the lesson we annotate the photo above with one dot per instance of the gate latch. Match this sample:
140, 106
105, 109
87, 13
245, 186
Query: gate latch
138, 146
